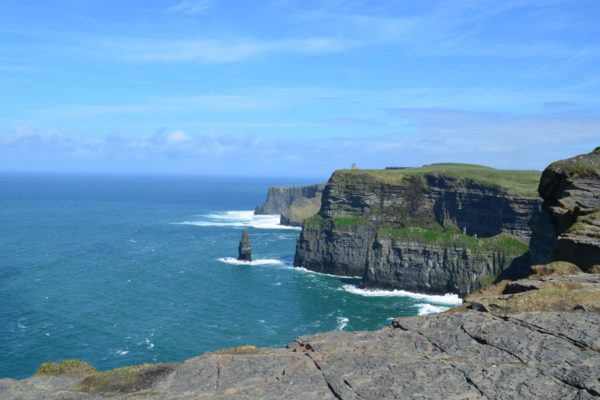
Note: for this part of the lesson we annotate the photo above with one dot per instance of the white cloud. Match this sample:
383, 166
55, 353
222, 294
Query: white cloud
178, 137
437, 135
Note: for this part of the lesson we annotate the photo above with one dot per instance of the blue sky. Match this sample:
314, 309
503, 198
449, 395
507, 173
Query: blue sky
298, 88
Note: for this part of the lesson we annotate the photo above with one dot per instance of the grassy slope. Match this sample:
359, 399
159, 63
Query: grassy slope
513, 181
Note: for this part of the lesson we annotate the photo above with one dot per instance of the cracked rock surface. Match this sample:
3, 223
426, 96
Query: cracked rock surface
466, 355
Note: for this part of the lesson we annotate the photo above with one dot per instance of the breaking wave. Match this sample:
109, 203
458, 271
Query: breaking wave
264, 261
447, 299
342, 322
302, 269
425, 309
242, 219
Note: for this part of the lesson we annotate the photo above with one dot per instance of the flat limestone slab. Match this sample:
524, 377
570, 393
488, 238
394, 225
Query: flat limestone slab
467, 355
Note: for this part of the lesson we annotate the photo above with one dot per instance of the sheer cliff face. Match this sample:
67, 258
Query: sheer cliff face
481, 209
571, 192
434, 268
280, 198
425, 232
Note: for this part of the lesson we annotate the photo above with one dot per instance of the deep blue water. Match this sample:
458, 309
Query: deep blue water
126, 270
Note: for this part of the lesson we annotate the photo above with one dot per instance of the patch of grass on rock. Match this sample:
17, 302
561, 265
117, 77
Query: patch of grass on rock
554, 268
66, 367
127, 379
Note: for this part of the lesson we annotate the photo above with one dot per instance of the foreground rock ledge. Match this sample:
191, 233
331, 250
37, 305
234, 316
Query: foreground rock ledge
466, 355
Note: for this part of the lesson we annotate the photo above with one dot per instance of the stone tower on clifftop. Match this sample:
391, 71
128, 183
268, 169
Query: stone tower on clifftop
244, 249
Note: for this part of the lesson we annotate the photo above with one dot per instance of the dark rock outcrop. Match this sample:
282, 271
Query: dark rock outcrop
364, 229
467, 355
438, 268
571, 192
244, 248
280, 198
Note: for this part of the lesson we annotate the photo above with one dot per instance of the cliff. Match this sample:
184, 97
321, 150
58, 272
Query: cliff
280, 198
571, 192
301, 209
437, 229
533, 338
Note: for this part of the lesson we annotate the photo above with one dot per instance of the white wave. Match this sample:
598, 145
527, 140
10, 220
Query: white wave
342, 322
425, 309
263, 261
122, 352
448, 299
302, 269
241, 219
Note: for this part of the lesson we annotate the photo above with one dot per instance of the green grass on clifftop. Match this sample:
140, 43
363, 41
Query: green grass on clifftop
453, 236
580, 166
513, 181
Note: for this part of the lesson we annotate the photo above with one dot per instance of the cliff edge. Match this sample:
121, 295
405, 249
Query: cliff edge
293, 203
436, 229
571, 192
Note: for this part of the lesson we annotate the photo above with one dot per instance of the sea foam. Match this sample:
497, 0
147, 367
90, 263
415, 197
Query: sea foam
342, 322
425, 309
263, 261
447, 299
302, 269
241, 219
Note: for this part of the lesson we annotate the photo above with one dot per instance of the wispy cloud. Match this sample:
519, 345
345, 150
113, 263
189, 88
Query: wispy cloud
190, 7
500, 140
209, 103
503, 138
211, 51
450, 28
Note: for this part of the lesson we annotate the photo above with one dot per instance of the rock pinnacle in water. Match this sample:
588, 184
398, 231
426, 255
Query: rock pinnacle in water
244, 249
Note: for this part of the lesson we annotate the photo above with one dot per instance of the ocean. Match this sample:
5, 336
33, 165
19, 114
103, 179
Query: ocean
127, 270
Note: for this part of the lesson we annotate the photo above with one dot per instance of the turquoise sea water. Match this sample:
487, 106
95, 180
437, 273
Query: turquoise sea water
119, 271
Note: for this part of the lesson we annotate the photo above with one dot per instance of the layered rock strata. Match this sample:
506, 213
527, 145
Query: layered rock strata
428, 231
571, 192
280, 198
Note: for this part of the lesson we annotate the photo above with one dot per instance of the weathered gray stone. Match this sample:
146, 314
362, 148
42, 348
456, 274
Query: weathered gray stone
468, 355
571, 192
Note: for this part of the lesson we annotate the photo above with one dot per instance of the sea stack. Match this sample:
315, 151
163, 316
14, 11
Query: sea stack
244, 249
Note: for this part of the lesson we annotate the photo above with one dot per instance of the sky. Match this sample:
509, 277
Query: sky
295, 88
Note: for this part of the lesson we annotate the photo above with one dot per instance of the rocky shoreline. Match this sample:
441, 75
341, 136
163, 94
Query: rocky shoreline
480, 351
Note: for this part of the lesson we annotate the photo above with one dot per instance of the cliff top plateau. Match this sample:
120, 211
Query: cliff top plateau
519, 182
